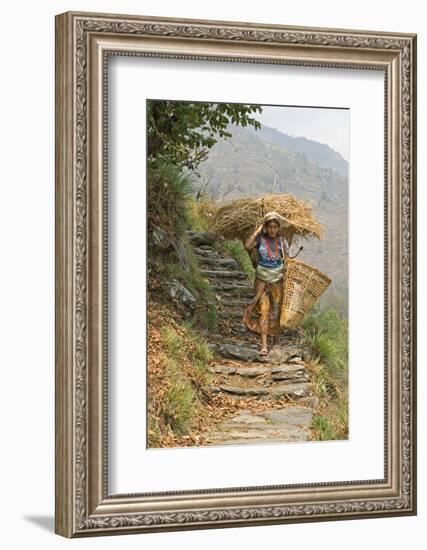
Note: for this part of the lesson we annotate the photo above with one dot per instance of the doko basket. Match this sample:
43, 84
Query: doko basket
304, 285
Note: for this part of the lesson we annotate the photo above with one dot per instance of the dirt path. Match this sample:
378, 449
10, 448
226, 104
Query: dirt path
239, 371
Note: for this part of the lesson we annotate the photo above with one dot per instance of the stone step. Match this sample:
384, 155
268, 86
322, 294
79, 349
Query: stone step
201, 238
231, 302
219, 440
295, 390
220, 262
224, 286
230, 296
206, 252
233, 305
223, 297
260, 441
279, 356
236, 311
223, 274
231, 313
285, 353
240, 352
240, 331
231, 291
283, 435
234, 328
275, 425
289, 372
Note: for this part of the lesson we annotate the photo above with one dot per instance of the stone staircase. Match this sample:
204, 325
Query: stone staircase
242, 373
231, 286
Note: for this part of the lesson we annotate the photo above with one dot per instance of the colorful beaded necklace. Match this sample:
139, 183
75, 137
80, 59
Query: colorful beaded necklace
276, 253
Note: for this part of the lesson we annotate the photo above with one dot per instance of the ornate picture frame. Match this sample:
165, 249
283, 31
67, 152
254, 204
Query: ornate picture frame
84, 41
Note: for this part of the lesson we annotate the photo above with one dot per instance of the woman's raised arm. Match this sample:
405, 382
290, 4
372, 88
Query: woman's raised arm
251, 240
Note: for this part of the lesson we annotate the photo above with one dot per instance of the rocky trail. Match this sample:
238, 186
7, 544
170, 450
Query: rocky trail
281, 377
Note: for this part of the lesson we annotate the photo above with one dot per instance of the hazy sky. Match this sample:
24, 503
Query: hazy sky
330, 126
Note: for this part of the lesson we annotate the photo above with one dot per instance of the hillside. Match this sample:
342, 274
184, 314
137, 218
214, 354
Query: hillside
265, 161
315, 152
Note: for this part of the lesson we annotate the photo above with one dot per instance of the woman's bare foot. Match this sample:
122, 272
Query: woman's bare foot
264, 344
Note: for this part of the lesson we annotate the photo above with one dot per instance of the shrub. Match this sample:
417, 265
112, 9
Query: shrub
169, 194
327, 335
179, 406
172, 343
323, 428
179, 386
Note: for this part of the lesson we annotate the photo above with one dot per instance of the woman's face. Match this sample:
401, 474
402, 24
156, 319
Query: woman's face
272, 229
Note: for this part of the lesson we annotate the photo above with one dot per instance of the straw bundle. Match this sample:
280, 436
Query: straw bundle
238, 218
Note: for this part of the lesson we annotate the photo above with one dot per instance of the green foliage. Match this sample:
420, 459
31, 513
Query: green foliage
181, 403
201, 373
323, 429
200, 358
210, 320
201, 351
326, 351
179, 406
342, 412
197, 213
182, 132
154, 431
172, 343
327, 334
172, 209
169, 194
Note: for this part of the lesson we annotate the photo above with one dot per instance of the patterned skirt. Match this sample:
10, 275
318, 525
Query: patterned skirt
263, 314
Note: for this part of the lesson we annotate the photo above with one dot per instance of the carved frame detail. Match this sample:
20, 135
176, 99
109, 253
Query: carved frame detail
83, 43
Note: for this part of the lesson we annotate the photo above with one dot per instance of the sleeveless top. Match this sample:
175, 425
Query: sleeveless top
270, 251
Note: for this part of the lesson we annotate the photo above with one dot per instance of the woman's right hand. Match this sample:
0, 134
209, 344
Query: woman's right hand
258, 230
251, 240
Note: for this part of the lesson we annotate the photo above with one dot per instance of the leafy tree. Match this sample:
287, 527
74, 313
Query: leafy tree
182, 132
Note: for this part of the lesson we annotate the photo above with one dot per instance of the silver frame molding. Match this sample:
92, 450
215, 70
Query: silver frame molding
84, 41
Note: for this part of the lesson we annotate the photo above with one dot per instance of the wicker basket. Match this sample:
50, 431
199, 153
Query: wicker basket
304, 285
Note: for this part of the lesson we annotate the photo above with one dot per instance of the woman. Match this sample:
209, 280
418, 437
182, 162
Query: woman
268, 287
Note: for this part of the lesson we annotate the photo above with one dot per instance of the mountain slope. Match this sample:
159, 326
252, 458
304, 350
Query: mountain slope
315, 152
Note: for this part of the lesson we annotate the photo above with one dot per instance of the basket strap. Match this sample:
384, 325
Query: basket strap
283, 252
282, 294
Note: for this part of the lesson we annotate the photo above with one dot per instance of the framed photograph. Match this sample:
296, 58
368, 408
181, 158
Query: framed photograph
235, 274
